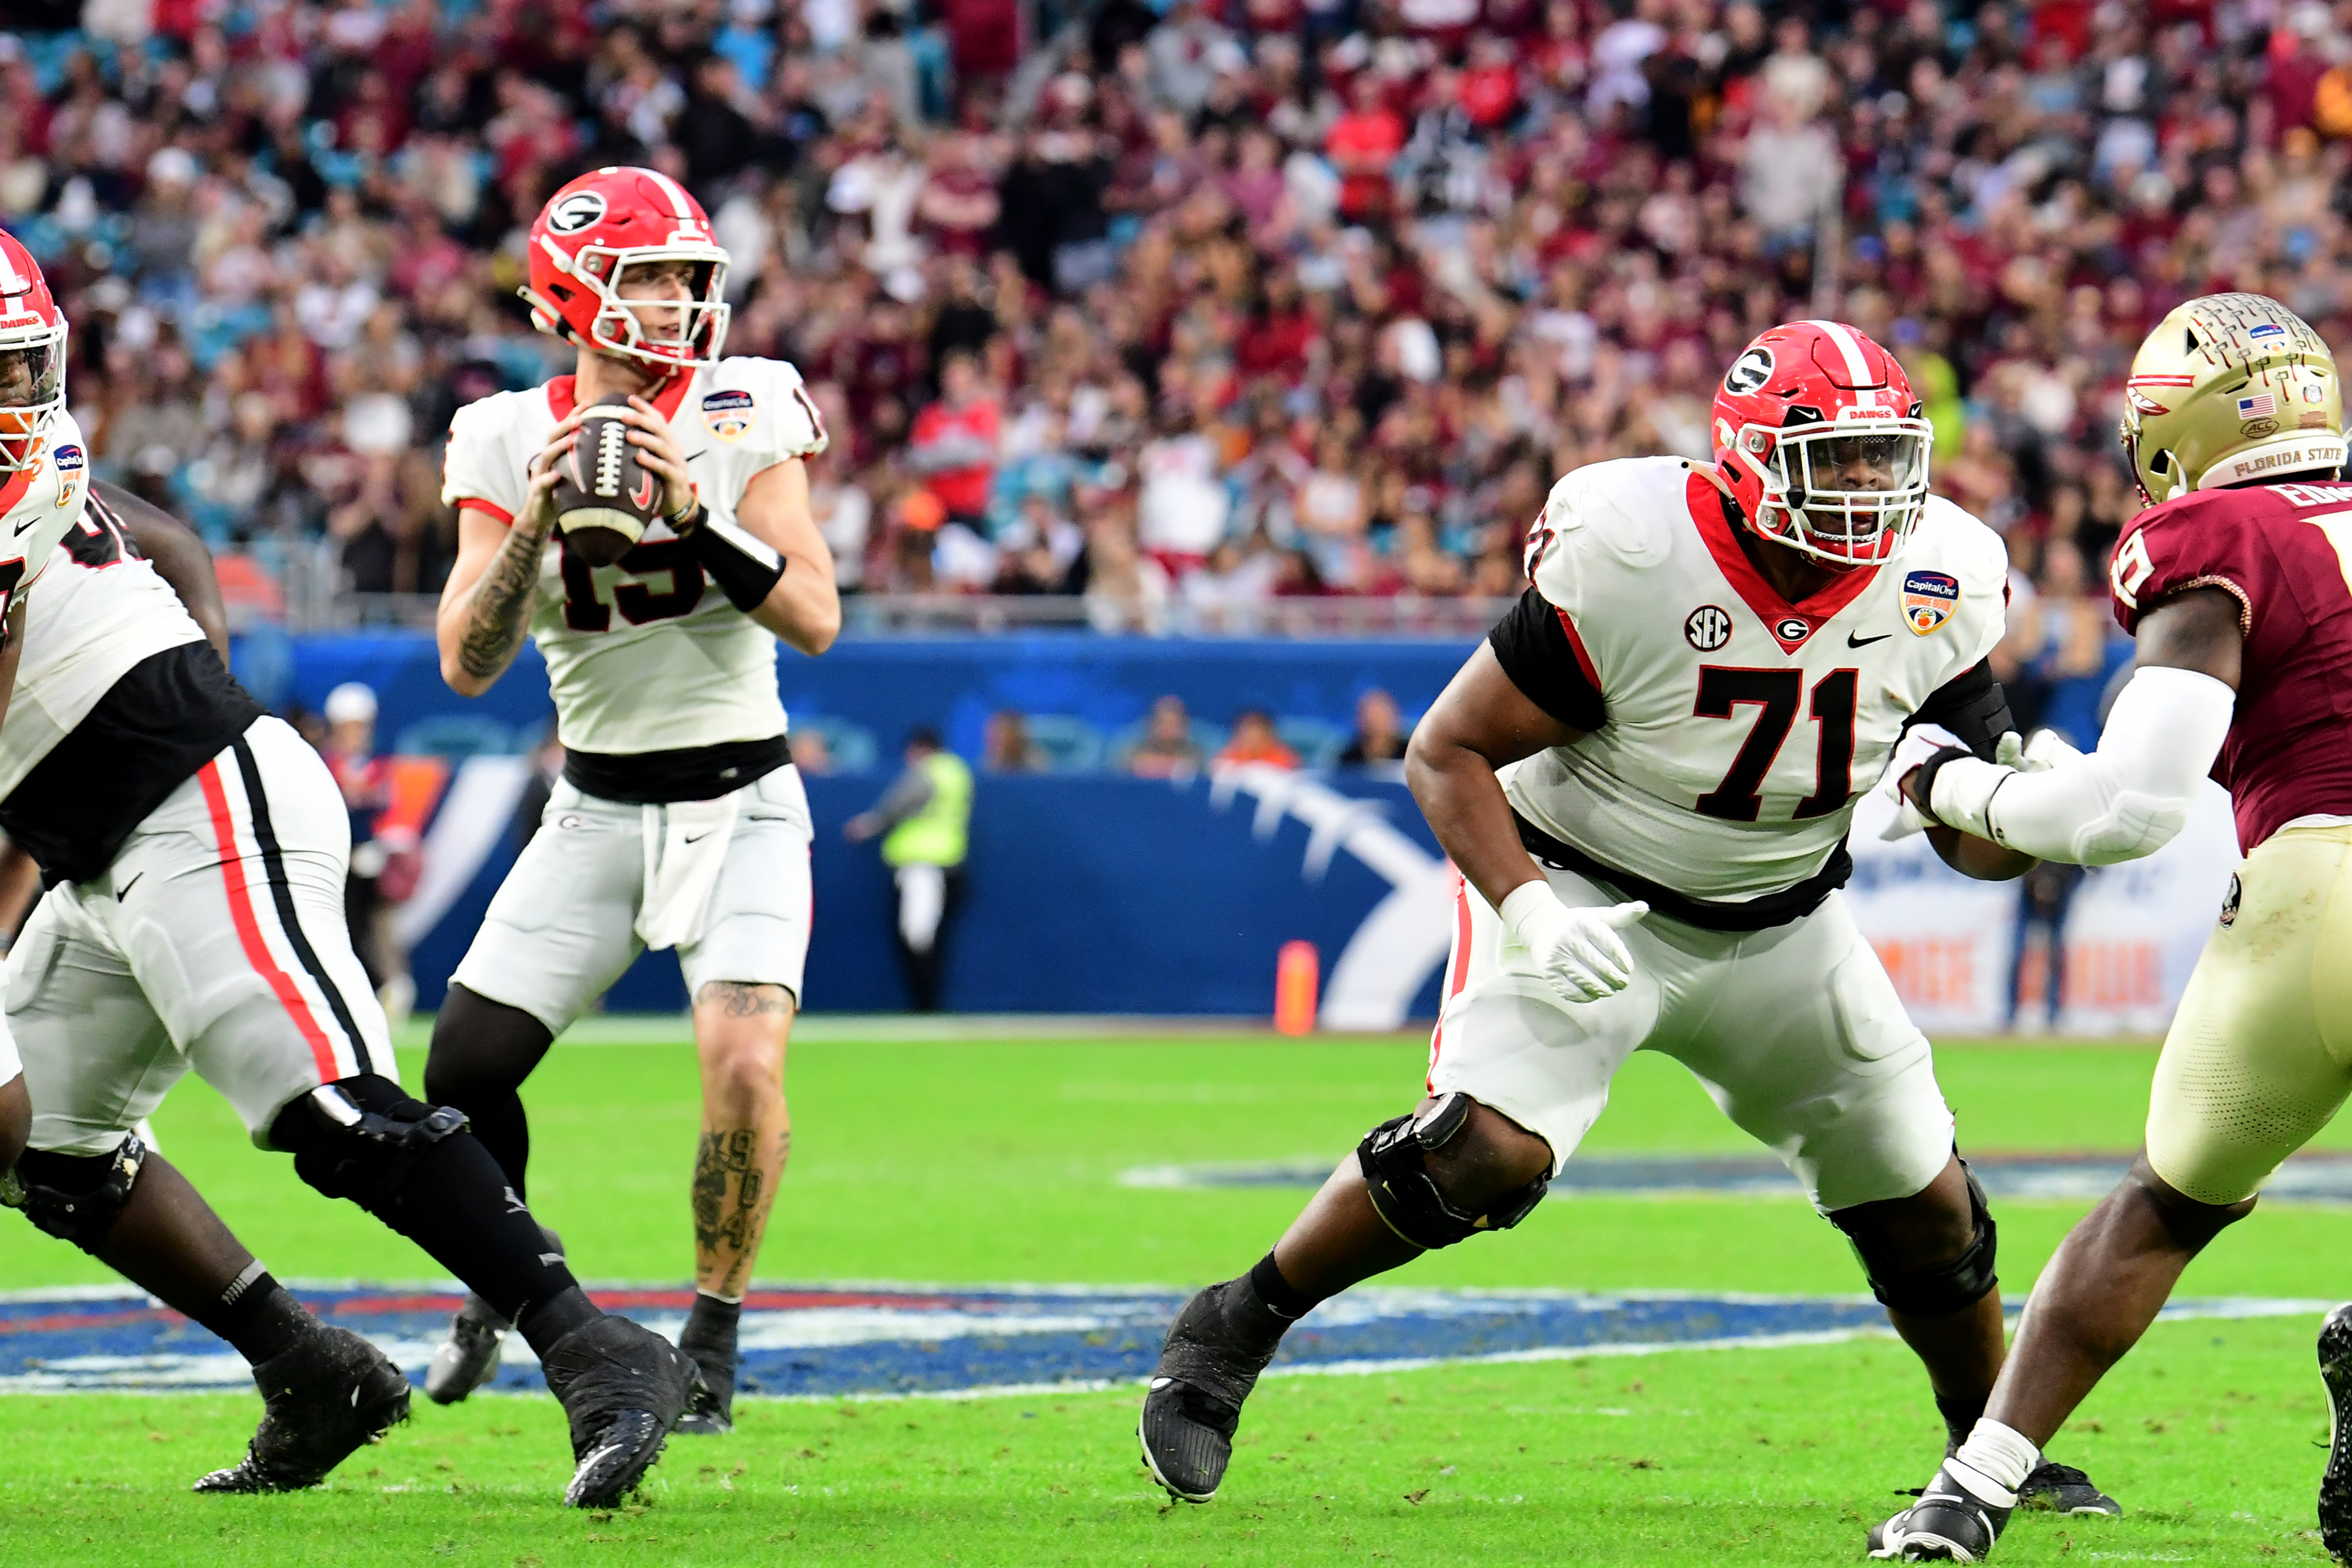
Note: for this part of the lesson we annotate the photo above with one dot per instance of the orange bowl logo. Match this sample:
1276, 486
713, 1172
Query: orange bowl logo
729, 413
1929, 600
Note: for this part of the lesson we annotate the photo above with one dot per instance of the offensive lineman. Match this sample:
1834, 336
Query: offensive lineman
1645, 776
2237, 586
192, 852
680, 821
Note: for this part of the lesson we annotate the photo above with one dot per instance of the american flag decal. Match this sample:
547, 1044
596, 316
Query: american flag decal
2260, 405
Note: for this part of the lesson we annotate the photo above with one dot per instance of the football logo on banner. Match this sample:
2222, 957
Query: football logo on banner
1708, 628
70, 462
1929, 600
729, 413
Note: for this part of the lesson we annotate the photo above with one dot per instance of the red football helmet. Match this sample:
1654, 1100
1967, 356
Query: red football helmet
591, 233
32, 358
1817, 434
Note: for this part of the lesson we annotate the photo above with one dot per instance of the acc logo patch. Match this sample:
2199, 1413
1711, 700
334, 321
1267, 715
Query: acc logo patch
1750, 372
577, 211
1708, 628
729, 413
1929, 600
70, 463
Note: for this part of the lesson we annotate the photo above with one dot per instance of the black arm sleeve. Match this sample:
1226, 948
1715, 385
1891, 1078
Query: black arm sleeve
1532, 645
1972, 707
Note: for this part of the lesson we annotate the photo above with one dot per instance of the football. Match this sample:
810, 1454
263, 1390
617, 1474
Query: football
605, 498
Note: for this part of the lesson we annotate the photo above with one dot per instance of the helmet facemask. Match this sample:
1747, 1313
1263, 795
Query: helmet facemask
1846, 493
32, 394
666, 332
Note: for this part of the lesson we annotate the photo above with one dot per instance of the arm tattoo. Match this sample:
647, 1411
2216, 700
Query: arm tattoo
744, 1000
500, 611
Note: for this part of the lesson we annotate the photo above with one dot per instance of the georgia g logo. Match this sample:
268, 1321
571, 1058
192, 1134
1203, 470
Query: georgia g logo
580, 210
1750, 372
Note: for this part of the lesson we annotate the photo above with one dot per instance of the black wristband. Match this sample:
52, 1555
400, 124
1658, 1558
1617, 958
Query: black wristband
744, 567
1923, 791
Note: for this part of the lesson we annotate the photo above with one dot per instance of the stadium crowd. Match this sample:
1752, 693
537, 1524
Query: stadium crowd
1178, 310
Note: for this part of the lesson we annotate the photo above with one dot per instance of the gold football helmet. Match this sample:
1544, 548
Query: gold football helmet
2231, 387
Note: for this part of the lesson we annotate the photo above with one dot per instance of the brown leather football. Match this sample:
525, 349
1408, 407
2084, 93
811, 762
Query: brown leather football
605, 498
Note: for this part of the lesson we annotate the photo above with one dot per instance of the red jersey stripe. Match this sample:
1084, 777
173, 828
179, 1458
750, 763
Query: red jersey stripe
248, 928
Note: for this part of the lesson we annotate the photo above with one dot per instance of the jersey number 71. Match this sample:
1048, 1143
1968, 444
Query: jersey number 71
1723, 689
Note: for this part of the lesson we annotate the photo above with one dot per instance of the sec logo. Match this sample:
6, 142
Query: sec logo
1708, 628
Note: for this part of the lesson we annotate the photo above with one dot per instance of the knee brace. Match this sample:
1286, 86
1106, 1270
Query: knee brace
1942, 1288
360, 1138
1394, 1160
75, 1197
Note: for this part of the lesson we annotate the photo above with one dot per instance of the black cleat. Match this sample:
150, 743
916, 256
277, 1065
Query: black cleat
1215, 1350
624, 1389
470, 1356
711, 1412
2062, 1488
327, 1396
2335, 1482
1949, 1524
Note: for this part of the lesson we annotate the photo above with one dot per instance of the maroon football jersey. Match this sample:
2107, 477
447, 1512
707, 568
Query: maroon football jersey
2284, 552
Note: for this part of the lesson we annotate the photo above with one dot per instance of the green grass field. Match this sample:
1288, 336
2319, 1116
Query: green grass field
995, 1160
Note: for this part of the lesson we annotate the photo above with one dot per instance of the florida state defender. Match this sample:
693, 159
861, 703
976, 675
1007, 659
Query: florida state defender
1645, 776
2237, 585
680, 821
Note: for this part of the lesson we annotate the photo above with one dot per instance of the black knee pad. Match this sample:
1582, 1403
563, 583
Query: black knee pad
360, 1138
75, 1197
1393, 1158
1943, 1288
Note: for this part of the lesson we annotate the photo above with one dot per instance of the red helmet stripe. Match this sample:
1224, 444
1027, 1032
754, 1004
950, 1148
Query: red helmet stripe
1854, 363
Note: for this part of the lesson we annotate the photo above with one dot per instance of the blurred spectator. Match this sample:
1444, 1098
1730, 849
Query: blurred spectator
811, 753
953, 443
925, 821
1254, 740
1167, 749
2046, 895
1381, 735
365, 780
1005, 747
1318, 281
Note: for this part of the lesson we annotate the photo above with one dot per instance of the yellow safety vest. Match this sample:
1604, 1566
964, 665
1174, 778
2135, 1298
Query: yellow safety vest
940, 832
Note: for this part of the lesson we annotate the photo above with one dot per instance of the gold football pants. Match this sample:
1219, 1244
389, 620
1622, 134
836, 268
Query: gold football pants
2260, 1054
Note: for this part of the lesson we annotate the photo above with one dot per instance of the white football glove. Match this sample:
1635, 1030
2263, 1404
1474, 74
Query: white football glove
1577, 950
2045, 751
1920, 742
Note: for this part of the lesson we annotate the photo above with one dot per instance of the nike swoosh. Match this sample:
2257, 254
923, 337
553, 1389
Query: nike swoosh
697, 838
124, 891
692, 456
1853, 641
27, 524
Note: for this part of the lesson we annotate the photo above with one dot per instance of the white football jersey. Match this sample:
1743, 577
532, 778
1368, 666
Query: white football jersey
1740, 728
647, 655
100, 611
